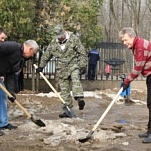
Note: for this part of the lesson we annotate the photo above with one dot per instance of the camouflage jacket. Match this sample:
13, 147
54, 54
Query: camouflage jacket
72, 57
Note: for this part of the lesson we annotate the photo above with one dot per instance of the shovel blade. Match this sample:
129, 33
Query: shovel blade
38, 122
69, 112
83, 140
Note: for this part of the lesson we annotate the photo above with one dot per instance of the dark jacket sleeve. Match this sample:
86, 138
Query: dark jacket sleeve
5, 48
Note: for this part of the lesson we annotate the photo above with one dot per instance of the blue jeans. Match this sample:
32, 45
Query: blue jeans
3, 107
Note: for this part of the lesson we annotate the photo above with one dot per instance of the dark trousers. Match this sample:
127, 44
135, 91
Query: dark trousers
107, 75
91, 71
148, 83
10, 83
19, 81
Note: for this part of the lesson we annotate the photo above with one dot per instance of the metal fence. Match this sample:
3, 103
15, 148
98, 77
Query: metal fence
114, 51
107, 51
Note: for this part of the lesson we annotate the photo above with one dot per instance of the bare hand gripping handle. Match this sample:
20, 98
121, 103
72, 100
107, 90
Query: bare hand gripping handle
36, 121
15, 101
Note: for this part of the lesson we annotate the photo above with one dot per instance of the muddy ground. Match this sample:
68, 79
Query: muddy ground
117, 132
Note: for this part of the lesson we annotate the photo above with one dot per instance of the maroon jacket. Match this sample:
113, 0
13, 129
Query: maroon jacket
142, 57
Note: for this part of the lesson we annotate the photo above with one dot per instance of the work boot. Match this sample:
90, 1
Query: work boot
1, 133
147, 139
68, 112
9, 126
63, 115
143, 135
128, 102
81, 104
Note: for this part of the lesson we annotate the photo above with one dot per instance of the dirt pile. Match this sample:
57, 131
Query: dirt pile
117, 132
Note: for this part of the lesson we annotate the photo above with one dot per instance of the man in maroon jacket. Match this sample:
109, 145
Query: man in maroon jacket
141, 50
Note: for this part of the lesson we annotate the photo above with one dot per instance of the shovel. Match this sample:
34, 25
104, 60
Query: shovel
89, 136
68, 111
36, 121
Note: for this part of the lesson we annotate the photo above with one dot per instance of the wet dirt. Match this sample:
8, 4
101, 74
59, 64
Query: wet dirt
117, 132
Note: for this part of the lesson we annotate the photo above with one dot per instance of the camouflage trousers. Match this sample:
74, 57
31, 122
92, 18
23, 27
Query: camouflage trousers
72, 83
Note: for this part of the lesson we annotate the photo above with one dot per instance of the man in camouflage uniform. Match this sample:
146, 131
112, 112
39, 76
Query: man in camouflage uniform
72, 61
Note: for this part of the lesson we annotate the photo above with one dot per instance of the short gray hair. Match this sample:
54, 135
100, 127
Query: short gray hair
33, 44
127, 30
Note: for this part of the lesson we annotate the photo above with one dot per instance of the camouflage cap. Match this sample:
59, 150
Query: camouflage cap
58, 29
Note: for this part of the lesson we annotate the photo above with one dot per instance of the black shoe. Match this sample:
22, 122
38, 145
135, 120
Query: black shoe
128, 102
81, 104
68, 112
9, 126
1, 133
147, 139
63, 115
143, 135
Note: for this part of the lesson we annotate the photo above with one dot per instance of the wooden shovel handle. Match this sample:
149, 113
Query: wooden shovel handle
50, 85
107, 109
15, 101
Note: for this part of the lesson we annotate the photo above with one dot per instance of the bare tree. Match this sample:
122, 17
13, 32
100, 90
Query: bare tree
112, 11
